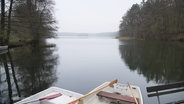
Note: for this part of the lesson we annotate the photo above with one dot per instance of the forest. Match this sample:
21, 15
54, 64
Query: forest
154, 20
26, 20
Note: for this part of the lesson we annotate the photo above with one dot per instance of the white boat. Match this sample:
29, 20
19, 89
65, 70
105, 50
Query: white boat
3, 47
114, 93
52, 95
107, 93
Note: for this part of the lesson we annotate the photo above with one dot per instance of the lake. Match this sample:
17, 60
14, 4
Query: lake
82, 63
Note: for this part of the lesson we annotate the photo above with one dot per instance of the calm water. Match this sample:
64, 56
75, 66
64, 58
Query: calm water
81, 64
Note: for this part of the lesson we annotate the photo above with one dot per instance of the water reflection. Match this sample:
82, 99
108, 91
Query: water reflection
25, 71
161, 62
5, 77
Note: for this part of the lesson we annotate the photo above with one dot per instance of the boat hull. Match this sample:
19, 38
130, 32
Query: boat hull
3, 48
114, 94
122, 90
66, 96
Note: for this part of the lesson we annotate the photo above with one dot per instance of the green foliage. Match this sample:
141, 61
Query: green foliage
31, 19
34, 19
155, 19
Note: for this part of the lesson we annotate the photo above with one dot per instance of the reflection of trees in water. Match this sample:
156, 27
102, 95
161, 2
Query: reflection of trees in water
8, 82
158, 61
36, 68
33, 70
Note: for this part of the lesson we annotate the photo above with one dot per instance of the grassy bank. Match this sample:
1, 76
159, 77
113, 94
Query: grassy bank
178, 37
127, 38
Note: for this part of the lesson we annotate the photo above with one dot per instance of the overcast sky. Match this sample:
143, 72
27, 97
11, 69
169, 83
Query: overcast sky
91, 16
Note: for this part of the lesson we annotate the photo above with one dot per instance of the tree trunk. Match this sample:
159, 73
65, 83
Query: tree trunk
2, 21
9, 21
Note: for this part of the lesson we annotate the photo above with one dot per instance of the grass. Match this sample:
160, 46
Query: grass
126, 38
14, 39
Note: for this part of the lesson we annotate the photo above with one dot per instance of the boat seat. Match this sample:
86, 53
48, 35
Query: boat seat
116, 96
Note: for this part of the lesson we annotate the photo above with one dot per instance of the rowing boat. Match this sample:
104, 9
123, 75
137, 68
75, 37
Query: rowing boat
3, 47
114, 94
52, 95
107, 93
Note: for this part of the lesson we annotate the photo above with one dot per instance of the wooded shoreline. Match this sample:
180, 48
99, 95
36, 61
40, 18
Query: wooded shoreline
23, 20
154, 20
